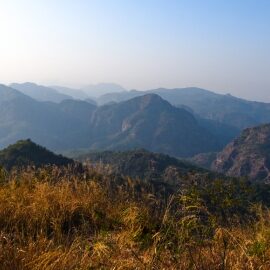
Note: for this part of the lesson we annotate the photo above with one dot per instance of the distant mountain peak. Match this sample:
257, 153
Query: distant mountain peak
150, 122
27, 84
97, 90
9, 93
149, 100
152, 98
40, 92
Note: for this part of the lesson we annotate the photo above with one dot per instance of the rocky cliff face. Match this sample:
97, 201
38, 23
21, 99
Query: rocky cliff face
248, 155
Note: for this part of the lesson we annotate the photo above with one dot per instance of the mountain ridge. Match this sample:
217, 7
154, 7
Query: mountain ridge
227, 109
40, 92
147, 122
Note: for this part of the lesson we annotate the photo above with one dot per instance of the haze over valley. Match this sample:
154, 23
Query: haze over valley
134, 135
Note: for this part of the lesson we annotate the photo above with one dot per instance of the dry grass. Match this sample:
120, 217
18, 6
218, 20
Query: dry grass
59, 219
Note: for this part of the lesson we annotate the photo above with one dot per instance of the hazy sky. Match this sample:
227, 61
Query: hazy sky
221, 45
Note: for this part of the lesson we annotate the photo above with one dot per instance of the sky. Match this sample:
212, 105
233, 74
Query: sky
220, 45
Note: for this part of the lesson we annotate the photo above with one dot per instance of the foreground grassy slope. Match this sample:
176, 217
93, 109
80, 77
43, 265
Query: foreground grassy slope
55, 219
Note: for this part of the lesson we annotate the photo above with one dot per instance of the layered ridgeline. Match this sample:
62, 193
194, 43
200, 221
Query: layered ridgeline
75, 93
25, 153
60, 93
97, 90
145, 165
91, 91
39, 92
227, 109
248, 155
56, 126
145, 122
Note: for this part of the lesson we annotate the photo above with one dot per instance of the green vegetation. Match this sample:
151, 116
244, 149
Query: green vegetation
127, 210
26, 153
146, 166
53, 218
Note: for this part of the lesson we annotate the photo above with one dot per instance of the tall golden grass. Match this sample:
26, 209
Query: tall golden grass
57, 218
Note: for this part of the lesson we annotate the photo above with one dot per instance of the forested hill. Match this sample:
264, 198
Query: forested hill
25, 153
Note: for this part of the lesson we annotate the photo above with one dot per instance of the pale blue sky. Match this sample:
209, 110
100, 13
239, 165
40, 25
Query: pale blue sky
221, 45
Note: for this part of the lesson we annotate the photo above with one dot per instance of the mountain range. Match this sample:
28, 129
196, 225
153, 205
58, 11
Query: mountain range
180, 122
47, 123
226, 109
39, 92
91, 91
147, 121
59, 93
150, 122
97, 90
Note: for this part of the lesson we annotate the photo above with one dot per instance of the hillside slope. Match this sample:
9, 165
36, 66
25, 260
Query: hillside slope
143, 164
248, 155
26, 152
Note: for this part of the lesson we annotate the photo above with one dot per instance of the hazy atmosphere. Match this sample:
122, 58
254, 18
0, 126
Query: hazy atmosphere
217, 45
134, 134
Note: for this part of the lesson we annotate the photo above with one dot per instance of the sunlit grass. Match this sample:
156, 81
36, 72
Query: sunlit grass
55, 218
